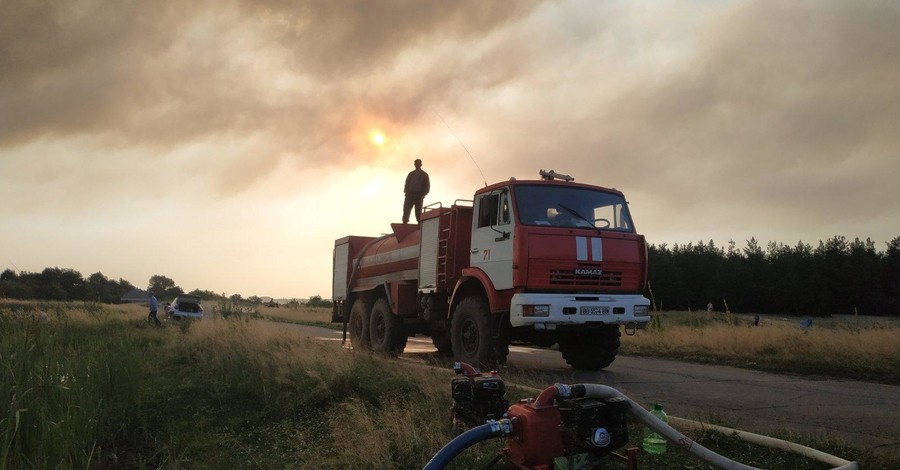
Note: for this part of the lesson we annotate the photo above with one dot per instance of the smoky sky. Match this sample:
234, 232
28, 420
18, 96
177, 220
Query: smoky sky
157, 75
734, 117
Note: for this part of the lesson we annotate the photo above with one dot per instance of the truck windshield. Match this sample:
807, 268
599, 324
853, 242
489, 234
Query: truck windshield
572, 207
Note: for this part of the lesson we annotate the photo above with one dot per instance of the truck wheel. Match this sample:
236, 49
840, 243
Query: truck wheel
358, 325
473, 337
386, 330
590, 348
441, 341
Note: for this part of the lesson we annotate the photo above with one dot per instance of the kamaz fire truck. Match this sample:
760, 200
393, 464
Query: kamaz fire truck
539, 262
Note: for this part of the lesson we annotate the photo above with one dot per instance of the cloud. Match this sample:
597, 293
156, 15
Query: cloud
156, 75
783, 110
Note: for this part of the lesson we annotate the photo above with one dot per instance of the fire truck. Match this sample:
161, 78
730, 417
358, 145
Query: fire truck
540, 262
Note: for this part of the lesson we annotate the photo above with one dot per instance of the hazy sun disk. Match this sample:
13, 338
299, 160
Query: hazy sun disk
376, 137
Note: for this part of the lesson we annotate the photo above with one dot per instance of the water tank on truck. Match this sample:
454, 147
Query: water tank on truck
543, 262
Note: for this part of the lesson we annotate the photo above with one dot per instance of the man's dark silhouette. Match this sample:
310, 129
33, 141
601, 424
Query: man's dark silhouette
416, 187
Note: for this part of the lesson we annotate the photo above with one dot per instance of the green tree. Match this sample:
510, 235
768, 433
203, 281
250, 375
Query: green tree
865, 269
890, 284
164, 287
207, 294
317, 301
61, 284
14, 286
101, 289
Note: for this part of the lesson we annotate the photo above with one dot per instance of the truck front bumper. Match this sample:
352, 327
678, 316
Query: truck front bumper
546, 311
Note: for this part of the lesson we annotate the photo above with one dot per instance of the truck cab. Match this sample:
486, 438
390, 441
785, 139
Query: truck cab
563, 261
552, 242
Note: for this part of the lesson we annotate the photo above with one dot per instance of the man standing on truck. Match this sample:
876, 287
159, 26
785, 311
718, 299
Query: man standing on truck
416, 187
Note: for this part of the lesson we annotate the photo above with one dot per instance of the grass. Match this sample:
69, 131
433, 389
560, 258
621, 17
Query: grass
849, 347
66, 374
312, 316
96, 386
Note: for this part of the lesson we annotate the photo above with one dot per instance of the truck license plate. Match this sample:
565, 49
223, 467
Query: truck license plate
594, 311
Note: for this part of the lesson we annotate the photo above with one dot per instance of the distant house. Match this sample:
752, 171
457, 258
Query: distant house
135, 296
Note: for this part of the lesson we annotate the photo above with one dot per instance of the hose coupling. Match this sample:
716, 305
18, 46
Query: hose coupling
564, 390
502, 427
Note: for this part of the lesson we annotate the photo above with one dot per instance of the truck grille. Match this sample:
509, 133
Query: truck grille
566, 277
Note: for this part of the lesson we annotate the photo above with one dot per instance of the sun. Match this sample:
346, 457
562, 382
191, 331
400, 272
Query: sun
376, 137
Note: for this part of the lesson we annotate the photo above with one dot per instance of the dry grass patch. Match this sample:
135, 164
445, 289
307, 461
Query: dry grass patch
304, 315
864, 351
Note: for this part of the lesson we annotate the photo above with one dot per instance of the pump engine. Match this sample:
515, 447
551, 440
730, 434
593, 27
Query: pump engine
544, 429
476, 397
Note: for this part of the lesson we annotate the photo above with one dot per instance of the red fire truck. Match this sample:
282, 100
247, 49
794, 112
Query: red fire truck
532, 262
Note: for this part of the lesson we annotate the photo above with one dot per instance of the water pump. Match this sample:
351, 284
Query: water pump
477, 397
556, 425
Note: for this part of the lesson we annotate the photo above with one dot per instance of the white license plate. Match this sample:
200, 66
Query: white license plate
594, 311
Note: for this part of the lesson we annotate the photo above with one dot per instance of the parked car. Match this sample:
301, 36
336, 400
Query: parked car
185, 306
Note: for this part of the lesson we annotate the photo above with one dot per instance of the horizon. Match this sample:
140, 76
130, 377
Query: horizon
327, 296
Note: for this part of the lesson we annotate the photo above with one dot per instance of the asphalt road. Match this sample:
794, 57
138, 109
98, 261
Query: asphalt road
864, 415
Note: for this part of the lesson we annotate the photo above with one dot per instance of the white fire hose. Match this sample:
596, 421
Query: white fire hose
673, 435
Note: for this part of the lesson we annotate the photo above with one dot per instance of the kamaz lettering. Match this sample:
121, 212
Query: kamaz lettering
588, 272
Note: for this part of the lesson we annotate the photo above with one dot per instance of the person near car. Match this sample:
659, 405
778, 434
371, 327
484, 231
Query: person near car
416, 187
154, 306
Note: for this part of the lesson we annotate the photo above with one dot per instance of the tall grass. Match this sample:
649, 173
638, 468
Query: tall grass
119, 392
269, 396
862, 351
65, 378
317, 316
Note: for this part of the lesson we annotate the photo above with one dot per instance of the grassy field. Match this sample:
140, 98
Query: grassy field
859, 348
300, 315
96, 386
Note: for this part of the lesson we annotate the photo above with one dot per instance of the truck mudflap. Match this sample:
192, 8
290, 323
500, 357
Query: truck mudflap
545, 311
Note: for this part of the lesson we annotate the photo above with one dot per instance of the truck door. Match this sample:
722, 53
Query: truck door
492, 245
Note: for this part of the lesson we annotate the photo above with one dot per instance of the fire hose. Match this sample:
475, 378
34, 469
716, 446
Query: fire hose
675, 436
489, 430
507, 427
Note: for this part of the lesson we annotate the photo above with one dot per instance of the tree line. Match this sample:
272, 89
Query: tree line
62, 284
69, 285
836, 277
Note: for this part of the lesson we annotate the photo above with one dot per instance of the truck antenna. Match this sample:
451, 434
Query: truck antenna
461, 144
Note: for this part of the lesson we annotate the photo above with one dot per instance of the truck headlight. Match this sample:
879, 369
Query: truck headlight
535, 310
642, 310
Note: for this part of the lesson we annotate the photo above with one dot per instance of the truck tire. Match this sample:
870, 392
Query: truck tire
473, 337
386, 330
590, 348
441, 341
358, 325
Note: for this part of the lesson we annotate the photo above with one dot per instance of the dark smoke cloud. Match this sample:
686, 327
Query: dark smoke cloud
785, 108
161, 74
